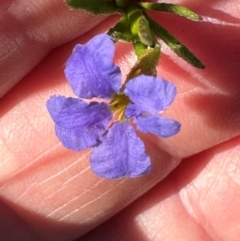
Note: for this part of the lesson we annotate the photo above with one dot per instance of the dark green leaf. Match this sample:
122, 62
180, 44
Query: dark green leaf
94, 6
180, 49
171, 8
123, 25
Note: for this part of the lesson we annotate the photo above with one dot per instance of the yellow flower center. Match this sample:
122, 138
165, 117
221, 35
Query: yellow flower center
118, 105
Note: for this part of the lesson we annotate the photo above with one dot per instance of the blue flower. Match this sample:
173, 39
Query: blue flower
118, 151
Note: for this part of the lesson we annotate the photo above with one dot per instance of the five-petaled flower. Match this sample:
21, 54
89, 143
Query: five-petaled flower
118, 151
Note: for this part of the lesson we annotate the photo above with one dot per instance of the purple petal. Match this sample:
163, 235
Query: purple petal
157, 125
90, 70
121, 153
149, 94
78, 124
132, 110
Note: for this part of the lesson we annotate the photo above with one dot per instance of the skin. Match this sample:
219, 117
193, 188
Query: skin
49, 193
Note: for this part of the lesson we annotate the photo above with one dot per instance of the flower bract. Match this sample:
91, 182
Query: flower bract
117, 150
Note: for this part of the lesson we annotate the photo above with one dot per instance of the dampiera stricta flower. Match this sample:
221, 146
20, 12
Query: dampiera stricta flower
117, 150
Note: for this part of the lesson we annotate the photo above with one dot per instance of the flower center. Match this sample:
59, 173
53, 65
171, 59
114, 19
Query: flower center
118, 105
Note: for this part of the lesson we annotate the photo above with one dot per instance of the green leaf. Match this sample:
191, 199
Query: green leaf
180, 49
121, 31
139, 26
144, 32
123, 25
171, 8
147, 63
94, 6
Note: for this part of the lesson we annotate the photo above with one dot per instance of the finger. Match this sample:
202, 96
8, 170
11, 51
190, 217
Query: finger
198, 201
29, 30
12, 221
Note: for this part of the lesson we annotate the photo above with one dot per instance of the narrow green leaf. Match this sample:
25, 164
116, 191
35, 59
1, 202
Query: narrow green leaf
94, 6
171, 8
180, 49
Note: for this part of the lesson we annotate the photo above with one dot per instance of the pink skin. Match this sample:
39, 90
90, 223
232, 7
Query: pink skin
50, 193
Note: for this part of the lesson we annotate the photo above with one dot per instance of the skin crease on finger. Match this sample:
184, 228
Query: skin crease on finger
54, 190
30, 29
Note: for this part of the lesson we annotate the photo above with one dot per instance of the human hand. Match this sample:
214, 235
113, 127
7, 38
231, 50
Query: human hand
50, 193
